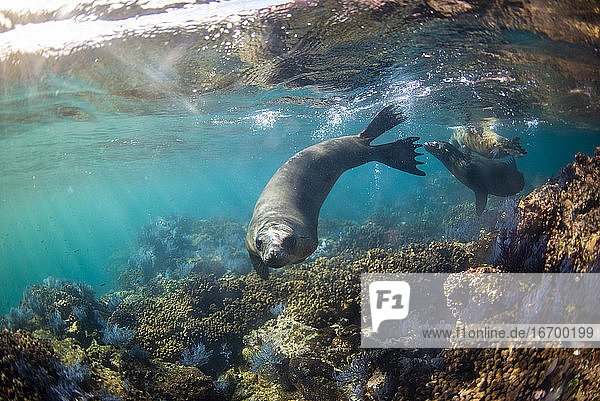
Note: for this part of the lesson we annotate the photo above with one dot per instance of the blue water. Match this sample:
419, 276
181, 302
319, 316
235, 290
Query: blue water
84, 166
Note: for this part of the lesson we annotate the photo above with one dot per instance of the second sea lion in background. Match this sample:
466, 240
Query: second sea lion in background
483, 176
487, 143
283, 228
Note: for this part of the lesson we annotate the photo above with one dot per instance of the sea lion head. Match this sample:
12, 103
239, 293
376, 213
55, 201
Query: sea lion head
276, 245
447, 153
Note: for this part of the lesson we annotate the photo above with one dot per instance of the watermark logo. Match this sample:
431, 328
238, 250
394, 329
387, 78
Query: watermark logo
480, 310
389, 300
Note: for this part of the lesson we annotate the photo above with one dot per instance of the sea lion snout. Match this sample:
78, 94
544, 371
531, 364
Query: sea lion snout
275, 257
276, 247
435, 148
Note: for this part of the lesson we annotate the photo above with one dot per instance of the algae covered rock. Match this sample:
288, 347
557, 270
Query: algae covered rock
503, 374
559, 223
174, 382
30, 371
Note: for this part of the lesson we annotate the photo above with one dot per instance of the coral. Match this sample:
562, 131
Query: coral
117, 336
18, 318
144, 260
30, 371
185, 268
175, 246
326, 290
63, 308
112, 300
226, 352
169, 316
314, 378
501, 374
196, 355
278, 309
352, 378
265, 359
199, 309
172, 382
56, 323
558, 224
79, 311
54, 283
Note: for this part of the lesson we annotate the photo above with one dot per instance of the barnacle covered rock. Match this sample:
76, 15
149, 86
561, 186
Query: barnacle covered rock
563, 217
329, 288
503, 374
203, 309
27, 366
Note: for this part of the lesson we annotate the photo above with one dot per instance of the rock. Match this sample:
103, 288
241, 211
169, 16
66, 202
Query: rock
449, 8
563, 217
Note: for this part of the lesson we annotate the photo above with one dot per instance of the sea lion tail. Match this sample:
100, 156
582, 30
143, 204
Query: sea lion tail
384, 121
399, 155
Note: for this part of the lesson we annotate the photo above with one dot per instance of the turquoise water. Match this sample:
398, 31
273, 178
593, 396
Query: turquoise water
104, 134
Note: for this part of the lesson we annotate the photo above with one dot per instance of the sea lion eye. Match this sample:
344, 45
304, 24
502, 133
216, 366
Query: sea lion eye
289, 242
259, 244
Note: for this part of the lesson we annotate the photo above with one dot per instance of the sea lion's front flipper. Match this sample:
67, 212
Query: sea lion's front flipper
399, 155
480, 202
384, 121
259, 266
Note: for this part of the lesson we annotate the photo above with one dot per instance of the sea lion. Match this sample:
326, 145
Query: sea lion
483, 176
283, 228
487, 143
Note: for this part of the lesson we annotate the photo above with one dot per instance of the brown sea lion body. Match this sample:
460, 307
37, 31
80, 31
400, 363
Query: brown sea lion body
483, 176
283, 228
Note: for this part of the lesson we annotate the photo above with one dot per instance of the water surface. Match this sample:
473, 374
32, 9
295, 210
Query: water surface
114, 114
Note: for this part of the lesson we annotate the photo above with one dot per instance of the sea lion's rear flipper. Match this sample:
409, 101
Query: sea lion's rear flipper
384, 121
399, 155
480, 202
259, 266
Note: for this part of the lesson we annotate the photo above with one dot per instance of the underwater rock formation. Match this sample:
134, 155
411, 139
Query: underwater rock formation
557, 225
518, 374
175, 246
30, 371
199, 309
296, 336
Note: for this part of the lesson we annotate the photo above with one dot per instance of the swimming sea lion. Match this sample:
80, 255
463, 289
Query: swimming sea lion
487, 143
283, 228
483, 176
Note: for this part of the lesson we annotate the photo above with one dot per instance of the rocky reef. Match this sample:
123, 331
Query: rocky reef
184, 326
556, 227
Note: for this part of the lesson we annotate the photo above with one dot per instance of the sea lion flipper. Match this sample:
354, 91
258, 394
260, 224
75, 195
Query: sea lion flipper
399, 155
384, 121
480, 202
